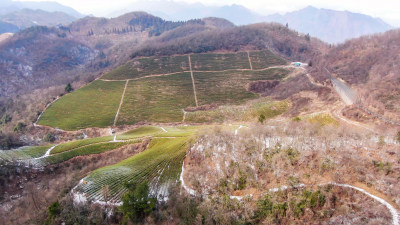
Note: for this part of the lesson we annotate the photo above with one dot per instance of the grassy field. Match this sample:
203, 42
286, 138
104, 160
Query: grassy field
230, 87
202, 62
221, 88
24, 153
179, 131
85, 150
264, 59
92, 106
268, 74
158, 165
245, 113
153, 99
157, 99
140, 132
149, 66
213, 62
161, 99
322, 119
79, 143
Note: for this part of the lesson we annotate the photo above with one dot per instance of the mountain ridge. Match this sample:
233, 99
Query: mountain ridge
25, 18
331, 25
11, 6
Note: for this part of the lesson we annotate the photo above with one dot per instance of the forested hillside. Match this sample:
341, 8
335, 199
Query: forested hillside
82, 51
274, 37
369, 64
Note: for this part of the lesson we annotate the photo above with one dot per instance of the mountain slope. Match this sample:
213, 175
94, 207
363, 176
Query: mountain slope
8, 6
178, 11
27, 17
370, 66
25, 66
330, 25
89, 44
90, 47
7, 27
274, 37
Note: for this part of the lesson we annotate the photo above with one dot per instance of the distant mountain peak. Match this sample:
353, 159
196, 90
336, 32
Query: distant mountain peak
310, 7
331, 25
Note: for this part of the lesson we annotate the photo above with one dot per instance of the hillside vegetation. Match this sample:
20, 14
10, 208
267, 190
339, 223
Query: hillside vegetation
26, 18
160, 164
196, 122
368, 64
162, 97
78, 53
94, 105
273, 37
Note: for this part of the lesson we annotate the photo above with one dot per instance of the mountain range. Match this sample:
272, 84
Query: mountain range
178, 11
15, 16
330, 25
9, 6
25, 18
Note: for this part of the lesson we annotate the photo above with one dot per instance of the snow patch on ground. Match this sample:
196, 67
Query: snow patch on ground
47, 153
47, 106
188, 189
79, 198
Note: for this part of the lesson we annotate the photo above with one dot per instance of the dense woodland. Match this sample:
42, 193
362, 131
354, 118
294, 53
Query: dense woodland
274, 37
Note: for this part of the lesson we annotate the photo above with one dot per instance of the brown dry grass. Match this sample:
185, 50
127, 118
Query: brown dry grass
309, 154
41, 188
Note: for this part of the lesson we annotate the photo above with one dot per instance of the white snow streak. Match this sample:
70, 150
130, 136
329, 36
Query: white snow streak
188, 189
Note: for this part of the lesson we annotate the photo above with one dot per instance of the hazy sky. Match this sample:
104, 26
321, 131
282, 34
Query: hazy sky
389, 10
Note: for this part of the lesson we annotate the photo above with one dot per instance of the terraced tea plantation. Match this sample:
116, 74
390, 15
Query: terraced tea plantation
39, 156
92, 106
24, 153
264, 59
158, 89
248, 112
158, 165
148, 66
230, 87
220, 62
157, 99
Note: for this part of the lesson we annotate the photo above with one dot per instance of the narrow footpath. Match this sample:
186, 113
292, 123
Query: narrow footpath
120, 104
194, 86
